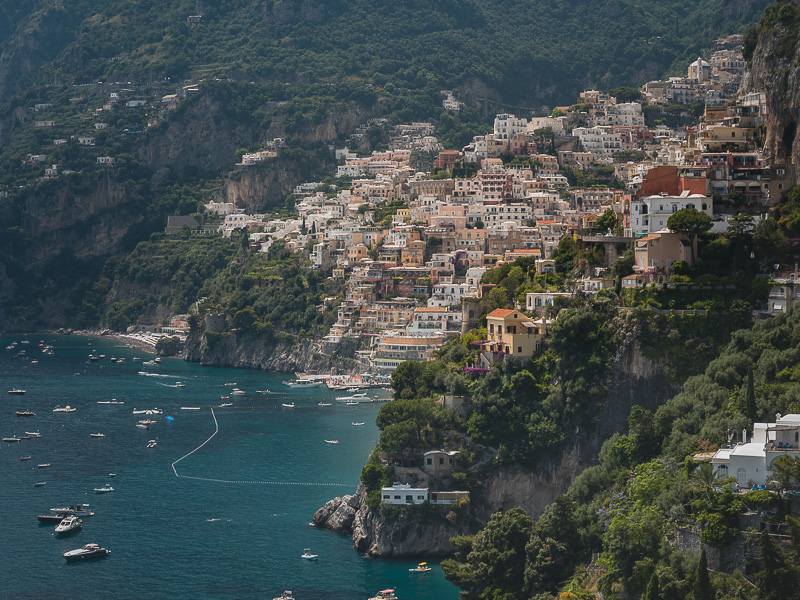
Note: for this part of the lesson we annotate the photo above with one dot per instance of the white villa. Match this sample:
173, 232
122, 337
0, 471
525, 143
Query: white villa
403, 493
750, 461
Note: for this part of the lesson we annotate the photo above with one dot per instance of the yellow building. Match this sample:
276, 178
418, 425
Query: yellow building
511, 333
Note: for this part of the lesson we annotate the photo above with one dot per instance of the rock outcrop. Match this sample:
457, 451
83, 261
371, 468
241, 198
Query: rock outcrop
377, 536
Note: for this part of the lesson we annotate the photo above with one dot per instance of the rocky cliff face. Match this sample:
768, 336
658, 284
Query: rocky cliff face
775, 70
636, 379
375, 536
253, 352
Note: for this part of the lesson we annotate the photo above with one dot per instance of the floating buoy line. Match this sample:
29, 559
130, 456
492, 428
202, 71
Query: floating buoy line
245, 481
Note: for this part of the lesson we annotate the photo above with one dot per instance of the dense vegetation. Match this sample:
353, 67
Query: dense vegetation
518, 48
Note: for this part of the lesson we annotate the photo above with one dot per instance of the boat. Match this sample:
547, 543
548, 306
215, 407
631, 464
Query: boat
148, 411
354, 398
190, 408
331, 441
43, 466
226, 404
357, 424
39, 483
87, 552
307, 554
112, 474
114, 401
25, 458
16, 391
351, 403
97, 435
142, 426
151, 444
324, 404
288, 405
69, 524
384, 595
229, 383
237, 392
302, 383
33, 434
286, 595
420, 568
180, 384
147, 421
51, 518
263, 392
106, 488
67, 408
224, 397
25, 413
12, 439
82, 510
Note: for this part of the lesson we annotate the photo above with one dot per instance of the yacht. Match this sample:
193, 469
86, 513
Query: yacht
25, 413
384, 595
302, 383
43, 466
82, 510
288, 405
16, 391
69, 524
33, 434
113, 401
39, 483
362, 397
106, 488
97, 435
190, 408
88, 551
12, 439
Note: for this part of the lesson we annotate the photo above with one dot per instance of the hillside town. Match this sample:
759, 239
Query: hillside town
414, 245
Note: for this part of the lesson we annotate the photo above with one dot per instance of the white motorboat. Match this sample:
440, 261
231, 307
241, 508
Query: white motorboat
302, 383
97, 435
331, 441
33, 434
384, 595
43, 466
142, 426
147, 421
66, 408
26, 413
87, 552
190, 408
82, 510
286, 595
24, 457
237, 392
288, 404
16, 391
39, 483
420, 568
307, 554
226, 404
12, 439
114, 401
263, 392
106, 488
152, 444
357, 424
354, 398
69, 524
351, 403
324, 404
180, 384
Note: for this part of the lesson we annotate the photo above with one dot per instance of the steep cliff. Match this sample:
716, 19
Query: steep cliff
635, 379
774, 68
288, 354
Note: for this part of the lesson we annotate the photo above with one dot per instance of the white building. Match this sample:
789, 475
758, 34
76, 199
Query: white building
750, 462
507, 126
651, 214
600, 141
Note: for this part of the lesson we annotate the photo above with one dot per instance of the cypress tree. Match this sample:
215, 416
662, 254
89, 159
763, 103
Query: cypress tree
653, 593
702, 589
750, 405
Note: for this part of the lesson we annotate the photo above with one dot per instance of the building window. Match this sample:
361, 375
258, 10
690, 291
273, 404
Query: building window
430, 461
441, 461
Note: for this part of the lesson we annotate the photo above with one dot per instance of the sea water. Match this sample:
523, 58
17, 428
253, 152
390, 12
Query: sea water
234, 520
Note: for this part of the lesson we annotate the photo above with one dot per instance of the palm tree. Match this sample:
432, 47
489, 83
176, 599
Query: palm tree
706, 479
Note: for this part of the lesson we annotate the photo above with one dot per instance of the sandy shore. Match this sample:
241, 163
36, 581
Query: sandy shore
136, 340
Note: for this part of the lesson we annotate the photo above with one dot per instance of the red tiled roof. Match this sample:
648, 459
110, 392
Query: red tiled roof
500, 313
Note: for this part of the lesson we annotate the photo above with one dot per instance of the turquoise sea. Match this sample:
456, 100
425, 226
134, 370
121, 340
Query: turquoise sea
233, 527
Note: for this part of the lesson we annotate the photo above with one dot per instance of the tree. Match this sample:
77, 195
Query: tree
741, 224
702, 590
750, 401
770, 243
690, 221
652, 592
607, 221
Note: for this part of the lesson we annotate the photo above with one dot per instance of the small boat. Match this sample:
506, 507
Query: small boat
384, 595
25, 458
33, 434
142, 426
263, 392
67, 408
331, 441
324, 404
351, 403
237, 392
87, 552
307, 554
39, 483
286, 595
112, 474
226, 404
82, 510
114, 401
288, 405
97, 435
151, 444
190, 408
25, 413
420, 568
16, 391
12, 439
224, 397
136, 359
106, 488
43, 466
357, 424
354, 398
180, 384
229, 383
147, 421
69, 524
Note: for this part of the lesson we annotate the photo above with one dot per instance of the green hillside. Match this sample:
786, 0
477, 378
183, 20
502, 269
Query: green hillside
530, 52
